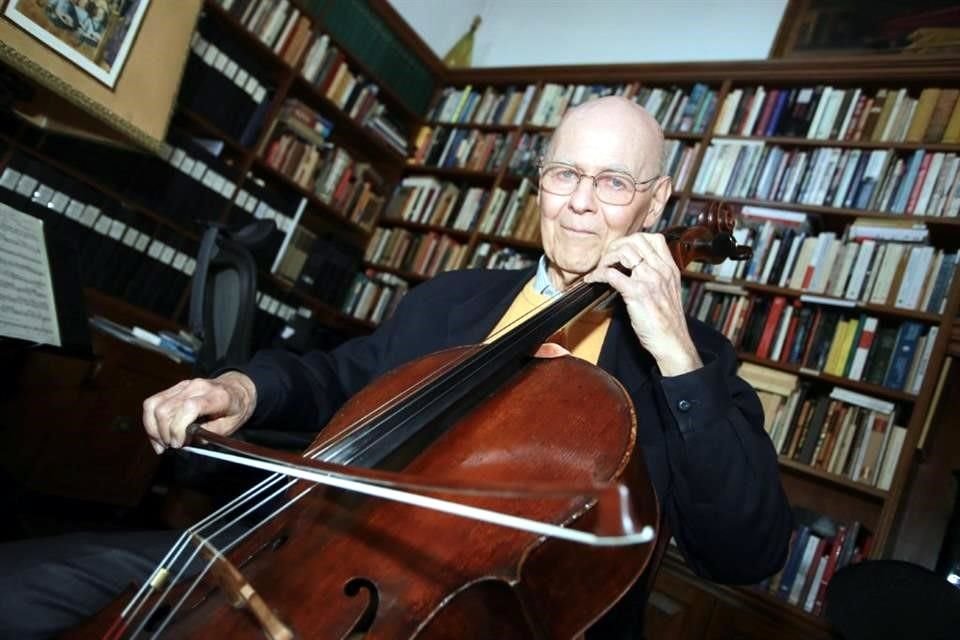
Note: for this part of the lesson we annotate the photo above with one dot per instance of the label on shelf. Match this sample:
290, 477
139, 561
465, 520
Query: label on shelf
59, 202
9, 178
116, 229
26, 185
74, 210
89, 215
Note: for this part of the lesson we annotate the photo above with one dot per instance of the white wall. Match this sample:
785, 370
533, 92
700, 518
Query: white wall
557, 32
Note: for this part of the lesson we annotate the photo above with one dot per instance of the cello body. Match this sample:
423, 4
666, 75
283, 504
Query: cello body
334, 566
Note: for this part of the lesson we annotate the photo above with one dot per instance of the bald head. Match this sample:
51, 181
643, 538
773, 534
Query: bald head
618, 116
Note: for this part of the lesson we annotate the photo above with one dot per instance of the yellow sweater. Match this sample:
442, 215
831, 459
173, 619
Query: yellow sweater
583, 337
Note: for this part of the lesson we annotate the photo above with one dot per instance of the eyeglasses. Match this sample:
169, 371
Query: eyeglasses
611, 187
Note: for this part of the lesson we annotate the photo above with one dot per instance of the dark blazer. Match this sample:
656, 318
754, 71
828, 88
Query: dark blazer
713, 466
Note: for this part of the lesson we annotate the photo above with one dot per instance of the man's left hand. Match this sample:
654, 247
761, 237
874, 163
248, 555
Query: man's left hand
651, 292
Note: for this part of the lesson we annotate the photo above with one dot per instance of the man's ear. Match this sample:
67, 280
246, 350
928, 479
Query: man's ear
661, 195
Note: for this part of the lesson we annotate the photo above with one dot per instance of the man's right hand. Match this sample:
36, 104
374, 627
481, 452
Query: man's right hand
226, 401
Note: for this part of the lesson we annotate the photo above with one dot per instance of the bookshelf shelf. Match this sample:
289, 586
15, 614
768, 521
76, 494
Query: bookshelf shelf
426, 228
871, 492
208, 128
487, 128
856, 385
683, 135
406, 275
846, 144
535, 128
512, 242
879, 309
453, 174
831, 211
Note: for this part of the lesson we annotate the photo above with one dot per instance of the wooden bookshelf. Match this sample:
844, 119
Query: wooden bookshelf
838, 496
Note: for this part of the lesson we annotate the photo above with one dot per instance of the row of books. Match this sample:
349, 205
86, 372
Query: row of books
678, 159
490, 256
470, 149
525, 159
817, 338
225, 84
819, 547
326, 70
833, 113
297, 148
911, 183
278, 24
374, 295
677, 109
422, 254
118, 251
846, 433
439, 203
855, 266
281, 26
501, 212
512, 214
506, 107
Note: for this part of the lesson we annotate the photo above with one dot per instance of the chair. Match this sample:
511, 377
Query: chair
892, 600
223, 297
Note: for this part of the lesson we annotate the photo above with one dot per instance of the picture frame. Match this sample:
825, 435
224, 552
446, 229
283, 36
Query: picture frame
830, 28
137, 109
95, 35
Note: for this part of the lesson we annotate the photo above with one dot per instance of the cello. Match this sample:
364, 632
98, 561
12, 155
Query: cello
553, 521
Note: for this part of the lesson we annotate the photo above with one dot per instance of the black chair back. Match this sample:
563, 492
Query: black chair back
892, 600
222, 302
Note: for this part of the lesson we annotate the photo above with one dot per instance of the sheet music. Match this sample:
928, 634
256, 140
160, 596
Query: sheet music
27, 307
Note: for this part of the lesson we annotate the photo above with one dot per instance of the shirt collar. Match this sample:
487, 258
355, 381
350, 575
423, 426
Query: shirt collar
541, 282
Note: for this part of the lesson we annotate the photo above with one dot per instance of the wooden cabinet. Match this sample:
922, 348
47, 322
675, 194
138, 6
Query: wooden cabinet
684, 607
678, 608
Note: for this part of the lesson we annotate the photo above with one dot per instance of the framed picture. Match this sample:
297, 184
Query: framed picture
95, 35
814, 28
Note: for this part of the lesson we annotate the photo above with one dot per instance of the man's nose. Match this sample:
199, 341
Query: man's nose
583, 198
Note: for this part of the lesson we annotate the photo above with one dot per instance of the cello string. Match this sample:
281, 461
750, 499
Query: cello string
237, 540
381, 410
179, 548
423, 385
466, 367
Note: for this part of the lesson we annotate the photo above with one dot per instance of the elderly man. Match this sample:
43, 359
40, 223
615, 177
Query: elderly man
700, 427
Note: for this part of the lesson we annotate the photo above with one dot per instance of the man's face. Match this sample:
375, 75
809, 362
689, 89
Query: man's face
576, 229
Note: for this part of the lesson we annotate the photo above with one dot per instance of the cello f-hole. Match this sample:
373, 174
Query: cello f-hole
352, 589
